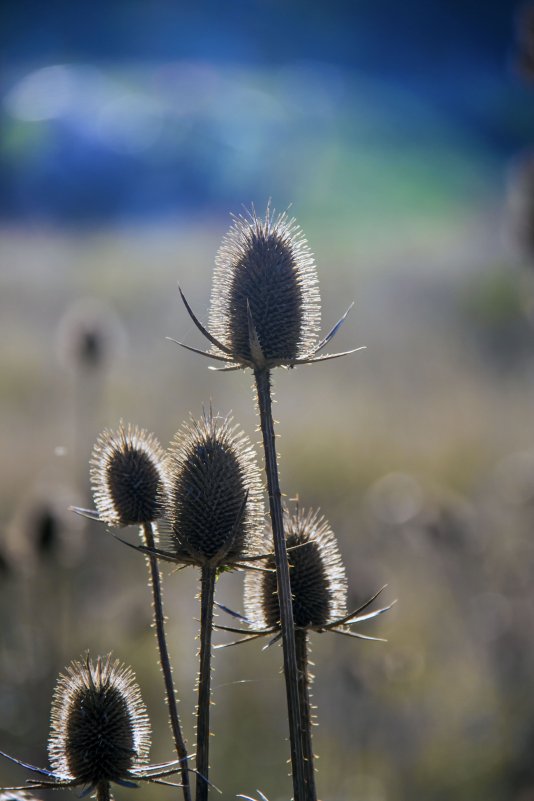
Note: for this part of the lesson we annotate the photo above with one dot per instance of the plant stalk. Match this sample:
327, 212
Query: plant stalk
301, 640
207, 592
159, 619
263, 388
103, 792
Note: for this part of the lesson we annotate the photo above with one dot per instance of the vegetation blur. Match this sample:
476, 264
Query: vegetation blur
403, 137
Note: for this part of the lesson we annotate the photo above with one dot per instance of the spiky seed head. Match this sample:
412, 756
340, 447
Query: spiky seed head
99, 724
215, 507
267, 266
129, 476
318, 581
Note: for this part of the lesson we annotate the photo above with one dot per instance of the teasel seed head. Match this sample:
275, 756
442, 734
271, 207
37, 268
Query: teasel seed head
215, 508
89, 336
129, 476
99, 725
265, 276
318, 581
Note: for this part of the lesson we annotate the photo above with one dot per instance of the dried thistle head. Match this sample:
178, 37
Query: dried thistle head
128, 476
318, 581
100, 733
265, 305
42, 532
265, 275
89, 335
99, 725
215, 503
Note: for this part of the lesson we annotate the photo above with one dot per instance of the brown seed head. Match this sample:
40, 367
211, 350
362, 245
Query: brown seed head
318, 582
215, 507
265, 265
99, 724
129, 476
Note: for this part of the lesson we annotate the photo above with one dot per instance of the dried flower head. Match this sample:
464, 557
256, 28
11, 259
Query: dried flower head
265, 304
215, 506
128, 475
318, 581
100, 729
100, 732
89, 335
42, 532
265, 271
318, 586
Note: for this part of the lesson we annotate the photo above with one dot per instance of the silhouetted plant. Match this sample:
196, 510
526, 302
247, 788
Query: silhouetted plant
265, 312
215, 512
100, 732
319, 593
130, 480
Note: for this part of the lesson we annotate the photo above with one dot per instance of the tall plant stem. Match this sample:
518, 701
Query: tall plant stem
159, 619
103, 792
301, 640
207, 592
263, 388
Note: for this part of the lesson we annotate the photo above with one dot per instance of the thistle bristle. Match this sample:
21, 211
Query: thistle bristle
318, 582
265, 265
129, 476
215, 507
99, 724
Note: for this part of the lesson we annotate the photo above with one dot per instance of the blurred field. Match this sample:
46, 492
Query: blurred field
418, 450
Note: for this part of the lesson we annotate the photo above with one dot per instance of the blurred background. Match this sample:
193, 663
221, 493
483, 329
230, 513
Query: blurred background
402, 135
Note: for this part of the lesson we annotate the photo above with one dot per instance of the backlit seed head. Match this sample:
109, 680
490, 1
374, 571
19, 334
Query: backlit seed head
267, 264
129, 476
318, 581
215, 507
99, 724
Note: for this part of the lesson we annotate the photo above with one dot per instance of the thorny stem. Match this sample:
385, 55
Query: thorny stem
159, 618
103, 792
207, 592
263, 387
301, 640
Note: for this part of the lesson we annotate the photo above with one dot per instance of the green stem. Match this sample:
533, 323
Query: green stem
207, 592
301, 639
263, 387
159, 619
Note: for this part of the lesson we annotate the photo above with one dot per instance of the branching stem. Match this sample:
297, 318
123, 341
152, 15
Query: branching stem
159, 619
